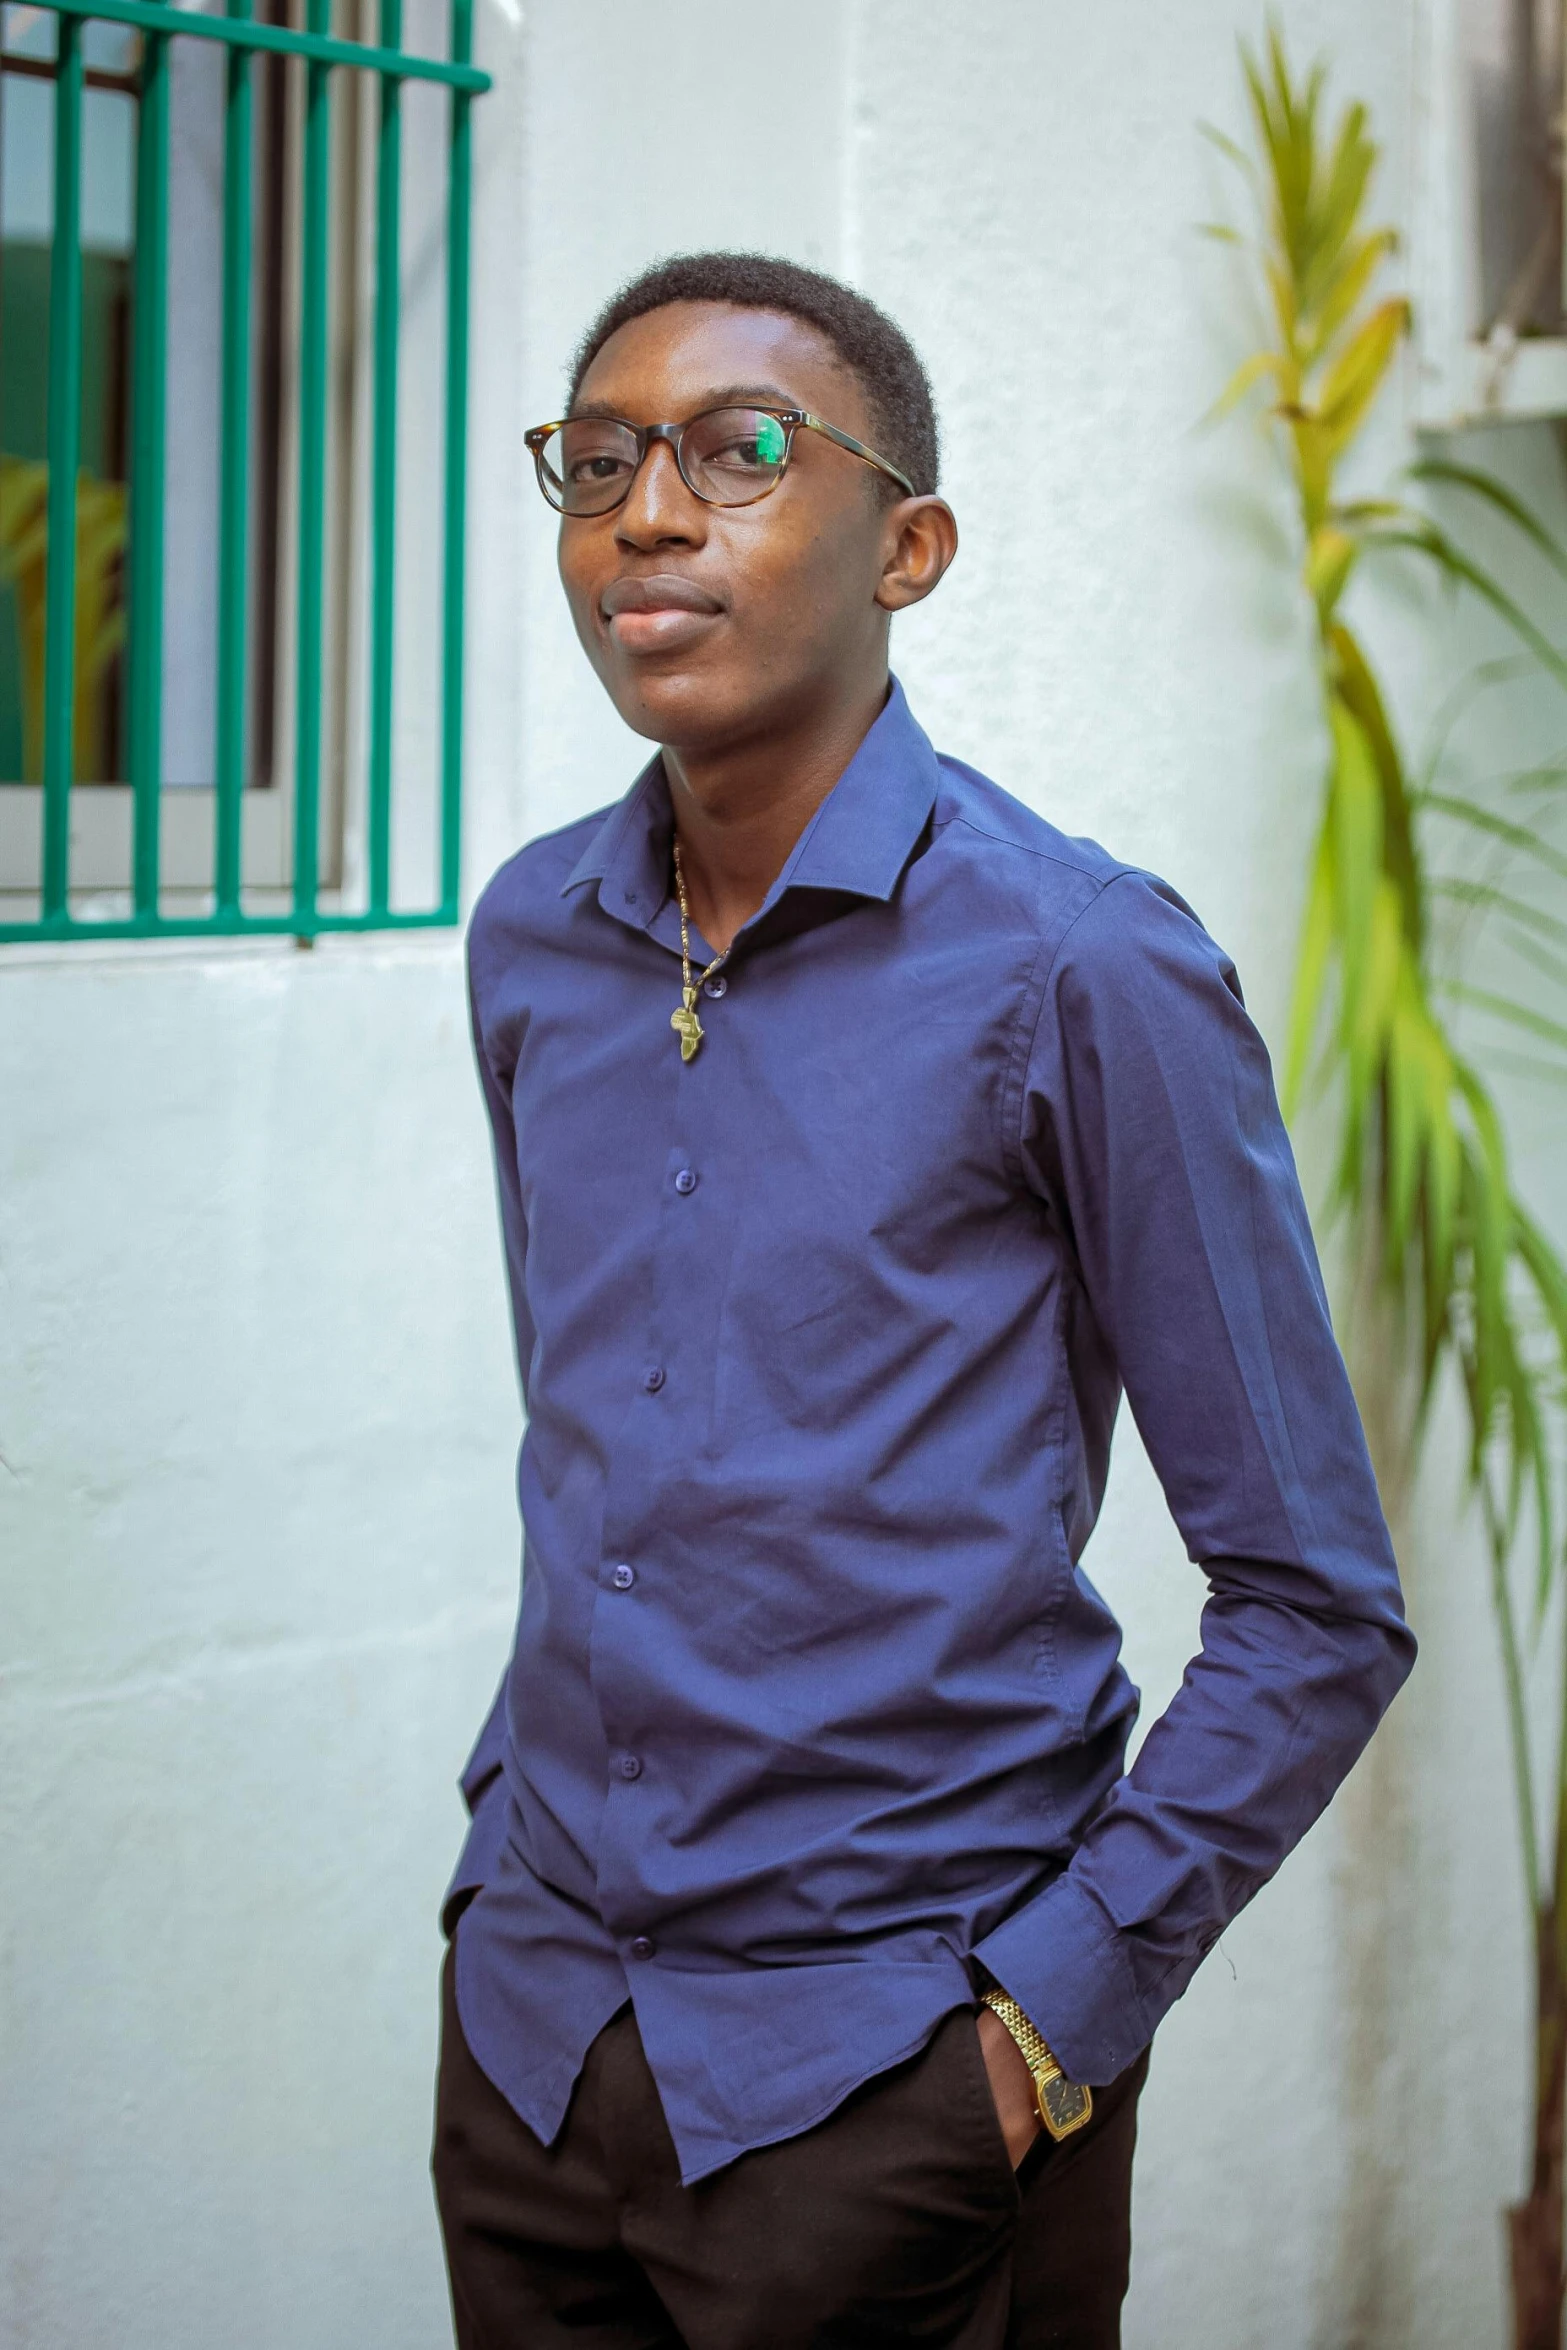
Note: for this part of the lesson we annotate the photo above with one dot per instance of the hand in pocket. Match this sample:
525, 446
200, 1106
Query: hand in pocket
1011, 2085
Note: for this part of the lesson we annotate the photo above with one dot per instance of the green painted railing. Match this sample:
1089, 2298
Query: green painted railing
323, 55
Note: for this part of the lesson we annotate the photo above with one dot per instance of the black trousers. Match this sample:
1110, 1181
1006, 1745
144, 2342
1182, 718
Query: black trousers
897, 2220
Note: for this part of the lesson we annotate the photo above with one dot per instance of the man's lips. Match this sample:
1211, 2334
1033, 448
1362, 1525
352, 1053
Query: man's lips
657, 611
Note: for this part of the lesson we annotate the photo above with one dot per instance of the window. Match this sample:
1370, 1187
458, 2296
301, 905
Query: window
1490, 320
233, 316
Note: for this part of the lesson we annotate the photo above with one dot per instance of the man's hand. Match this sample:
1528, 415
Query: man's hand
1011, 2085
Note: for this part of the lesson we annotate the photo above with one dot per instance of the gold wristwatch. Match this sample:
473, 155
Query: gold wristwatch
1063, 2105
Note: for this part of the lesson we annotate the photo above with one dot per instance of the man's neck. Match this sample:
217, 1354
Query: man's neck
739, 811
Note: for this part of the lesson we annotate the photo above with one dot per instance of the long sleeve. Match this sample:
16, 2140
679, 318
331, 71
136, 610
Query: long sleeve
496, 1089
1147, 1125
482, 1780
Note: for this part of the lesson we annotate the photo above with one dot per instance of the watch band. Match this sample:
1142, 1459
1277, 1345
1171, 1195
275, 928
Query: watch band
1064, 2106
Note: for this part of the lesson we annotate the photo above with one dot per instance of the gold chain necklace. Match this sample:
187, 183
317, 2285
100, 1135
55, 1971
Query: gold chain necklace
685, 1022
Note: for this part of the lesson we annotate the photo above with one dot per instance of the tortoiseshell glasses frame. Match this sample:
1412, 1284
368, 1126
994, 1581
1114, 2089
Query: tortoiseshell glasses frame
727, 456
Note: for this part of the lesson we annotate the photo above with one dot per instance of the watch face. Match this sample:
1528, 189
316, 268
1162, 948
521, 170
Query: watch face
1064, 2106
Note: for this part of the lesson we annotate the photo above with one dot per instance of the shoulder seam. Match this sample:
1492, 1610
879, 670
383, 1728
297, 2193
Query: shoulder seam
1012, 1091
1044, 855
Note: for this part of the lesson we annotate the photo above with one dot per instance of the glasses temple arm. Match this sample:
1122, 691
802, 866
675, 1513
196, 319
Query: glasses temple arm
858, 449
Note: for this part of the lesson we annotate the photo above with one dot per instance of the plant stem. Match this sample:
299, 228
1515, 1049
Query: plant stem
1518, 1719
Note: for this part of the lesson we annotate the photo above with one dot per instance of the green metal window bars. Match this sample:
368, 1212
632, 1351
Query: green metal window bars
322, 53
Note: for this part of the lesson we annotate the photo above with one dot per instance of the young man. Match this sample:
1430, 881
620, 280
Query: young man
859, 1138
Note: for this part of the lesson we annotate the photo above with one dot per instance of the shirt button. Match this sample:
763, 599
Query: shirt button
630, 1767
685, 1182
643, 1946
623, 1578
653, 1380
716, 986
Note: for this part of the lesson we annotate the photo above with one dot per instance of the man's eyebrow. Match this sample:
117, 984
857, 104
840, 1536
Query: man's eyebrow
723, 396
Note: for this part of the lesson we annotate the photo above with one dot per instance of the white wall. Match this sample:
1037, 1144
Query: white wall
256, 1411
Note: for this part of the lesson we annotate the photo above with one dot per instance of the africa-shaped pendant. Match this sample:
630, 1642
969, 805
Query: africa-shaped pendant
687, 1026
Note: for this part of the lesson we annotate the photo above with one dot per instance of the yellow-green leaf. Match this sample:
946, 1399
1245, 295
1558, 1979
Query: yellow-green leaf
1355, 377
1347, 288
1311, 964
1251, 371
1330, 557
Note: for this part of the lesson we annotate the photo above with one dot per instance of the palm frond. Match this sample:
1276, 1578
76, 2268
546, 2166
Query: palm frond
1502, 1007
1496, 494
1525, 838
1424, 538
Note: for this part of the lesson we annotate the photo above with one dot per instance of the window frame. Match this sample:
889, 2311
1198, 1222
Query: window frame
267, 856
1461, 378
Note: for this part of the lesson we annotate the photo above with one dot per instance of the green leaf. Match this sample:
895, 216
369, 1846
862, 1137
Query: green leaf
1371, 1008
1488, 898
1228, 148
1355, 511
1356, 820
1502, 1007
1406, 1122
1330, 558
1251, 371
1347, 288
1354, 681
1336, 211
1438, 547
1550, 966
1483, 678
1497, 495
1546, 1270
1525, 1065
1355, 377
1522, 837
1281, 285
1487, 1216
1547, 777
1444, 1169
1311, 964
1529, 1467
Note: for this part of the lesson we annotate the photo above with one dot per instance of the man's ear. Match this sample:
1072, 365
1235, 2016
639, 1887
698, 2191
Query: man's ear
921, 538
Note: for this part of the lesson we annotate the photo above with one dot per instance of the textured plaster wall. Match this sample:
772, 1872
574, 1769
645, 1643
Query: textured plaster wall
257, 1558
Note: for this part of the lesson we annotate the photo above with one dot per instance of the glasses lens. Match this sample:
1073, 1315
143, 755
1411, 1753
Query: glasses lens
586, 467
733, 455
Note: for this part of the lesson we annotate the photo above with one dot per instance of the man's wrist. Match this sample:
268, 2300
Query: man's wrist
1062, 2105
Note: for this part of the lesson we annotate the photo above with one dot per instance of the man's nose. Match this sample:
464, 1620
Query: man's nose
659, 510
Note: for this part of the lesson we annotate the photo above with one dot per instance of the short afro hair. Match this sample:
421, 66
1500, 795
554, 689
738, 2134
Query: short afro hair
866, 340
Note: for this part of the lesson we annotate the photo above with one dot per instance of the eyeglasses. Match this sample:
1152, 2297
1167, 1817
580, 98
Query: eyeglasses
726, 456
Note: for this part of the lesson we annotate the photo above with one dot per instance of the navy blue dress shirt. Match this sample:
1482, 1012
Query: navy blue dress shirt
822, 1337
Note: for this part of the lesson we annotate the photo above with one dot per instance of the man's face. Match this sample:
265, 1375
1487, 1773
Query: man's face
791, 589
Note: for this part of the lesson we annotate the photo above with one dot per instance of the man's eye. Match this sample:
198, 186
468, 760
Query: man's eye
603, 468
744, 453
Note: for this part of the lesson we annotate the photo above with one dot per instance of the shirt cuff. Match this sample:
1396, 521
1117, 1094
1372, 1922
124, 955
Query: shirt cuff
1063, 1961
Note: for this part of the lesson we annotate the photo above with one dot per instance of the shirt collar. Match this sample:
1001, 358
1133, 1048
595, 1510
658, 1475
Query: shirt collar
858, 841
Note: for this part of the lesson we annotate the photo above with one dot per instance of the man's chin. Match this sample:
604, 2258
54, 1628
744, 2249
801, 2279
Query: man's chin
681, 707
